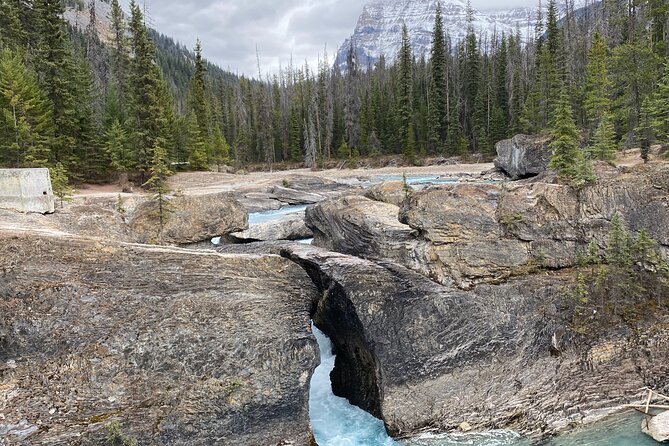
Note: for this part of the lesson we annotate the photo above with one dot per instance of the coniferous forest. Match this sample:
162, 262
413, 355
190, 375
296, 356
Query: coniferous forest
596, 79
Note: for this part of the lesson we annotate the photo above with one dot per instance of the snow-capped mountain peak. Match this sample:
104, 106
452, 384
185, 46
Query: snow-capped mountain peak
379, 28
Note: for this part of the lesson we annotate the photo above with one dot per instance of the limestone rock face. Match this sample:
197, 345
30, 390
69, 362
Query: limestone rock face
523, 156
288, 227
294, 189
418, 354
294, 196
471, 233
179, 347
657, 427
190, 219
391, 192
359, 226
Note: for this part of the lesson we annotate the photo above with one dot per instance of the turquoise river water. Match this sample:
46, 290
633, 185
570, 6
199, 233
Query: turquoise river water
336, 422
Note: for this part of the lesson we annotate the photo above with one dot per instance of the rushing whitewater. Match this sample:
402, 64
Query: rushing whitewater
334, 420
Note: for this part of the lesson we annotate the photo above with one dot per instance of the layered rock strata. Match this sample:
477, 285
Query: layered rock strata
176, 346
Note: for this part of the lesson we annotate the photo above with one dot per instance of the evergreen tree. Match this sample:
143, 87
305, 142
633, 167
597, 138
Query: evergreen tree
657, 108
12, 33
198, 94
552, 31
438, 106
25, 115
603, 147
405, 86
517, 102
352, 99
220, 153
597, 85
410, 146
198, 149
120, 59
147, 115
502, 95
89, 159
634, 75
118, 149
60, 183
55, 66
567, 159
157, 182
471, 79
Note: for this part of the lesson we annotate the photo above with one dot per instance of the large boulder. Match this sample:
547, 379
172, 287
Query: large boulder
188, 219
523, 156
290, 196
286, 227
657, 427
359, 226
391, 192
162, 345
293, 189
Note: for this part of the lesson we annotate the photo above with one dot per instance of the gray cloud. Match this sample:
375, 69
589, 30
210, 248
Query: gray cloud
230, 30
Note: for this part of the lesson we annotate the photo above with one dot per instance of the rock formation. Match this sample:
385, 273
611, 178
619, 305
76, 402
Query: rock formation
657, 427
391, 192
287, 227
476, 233
176, 346
523, 156
418, 354
294, 189
190, 219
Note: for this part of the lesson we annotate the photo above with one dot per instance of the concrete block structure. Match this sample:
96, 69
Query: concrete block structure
26, 190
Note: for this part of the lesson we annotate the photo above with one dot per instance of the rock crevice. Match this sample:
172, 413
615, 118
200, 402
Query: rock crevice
357, 374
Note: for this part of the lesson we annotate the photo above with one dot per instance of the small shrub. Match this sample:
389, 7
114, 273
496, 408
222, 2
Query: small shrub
115, 436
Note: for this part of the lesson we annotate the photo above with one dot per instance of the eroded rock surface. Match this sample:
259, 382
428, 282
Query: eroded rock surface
294, 189
523, 155
286, 227
468, 234
180, 347
391, 192
657, 427
422, 355
189, 219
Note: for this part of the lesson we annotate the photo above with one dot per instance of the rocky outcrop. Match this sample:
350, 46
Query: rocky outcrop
189, 219
287, 227
177, 346
523, 156
421, 355
294, 189
469, 234
657, 427
391, 192
362, 227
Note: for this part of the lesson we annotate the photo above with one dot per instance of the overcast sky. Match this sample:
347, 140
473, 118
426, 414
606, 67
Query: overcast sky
230, 30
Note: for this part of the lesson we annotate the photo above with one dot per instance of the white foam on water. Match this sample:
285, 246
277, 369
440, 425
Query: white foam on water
334, 420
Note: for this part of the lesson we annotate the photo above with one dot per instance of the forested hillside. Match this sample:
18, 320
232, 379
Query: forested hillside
136, 105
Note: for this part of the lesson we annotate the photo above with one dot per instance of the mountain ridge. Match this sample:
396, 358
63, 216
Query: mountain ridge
378, 30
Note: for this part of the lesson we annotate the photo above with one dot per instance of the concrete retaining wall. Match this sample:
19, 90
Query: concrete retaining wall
26, 190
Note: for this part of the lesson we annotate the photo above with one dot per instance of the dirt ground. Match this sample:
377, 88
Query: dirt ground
210, 182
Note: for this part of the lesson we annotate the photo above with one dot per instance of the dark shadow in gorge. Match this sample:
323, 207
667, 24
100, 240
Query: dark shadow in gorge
357, 375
